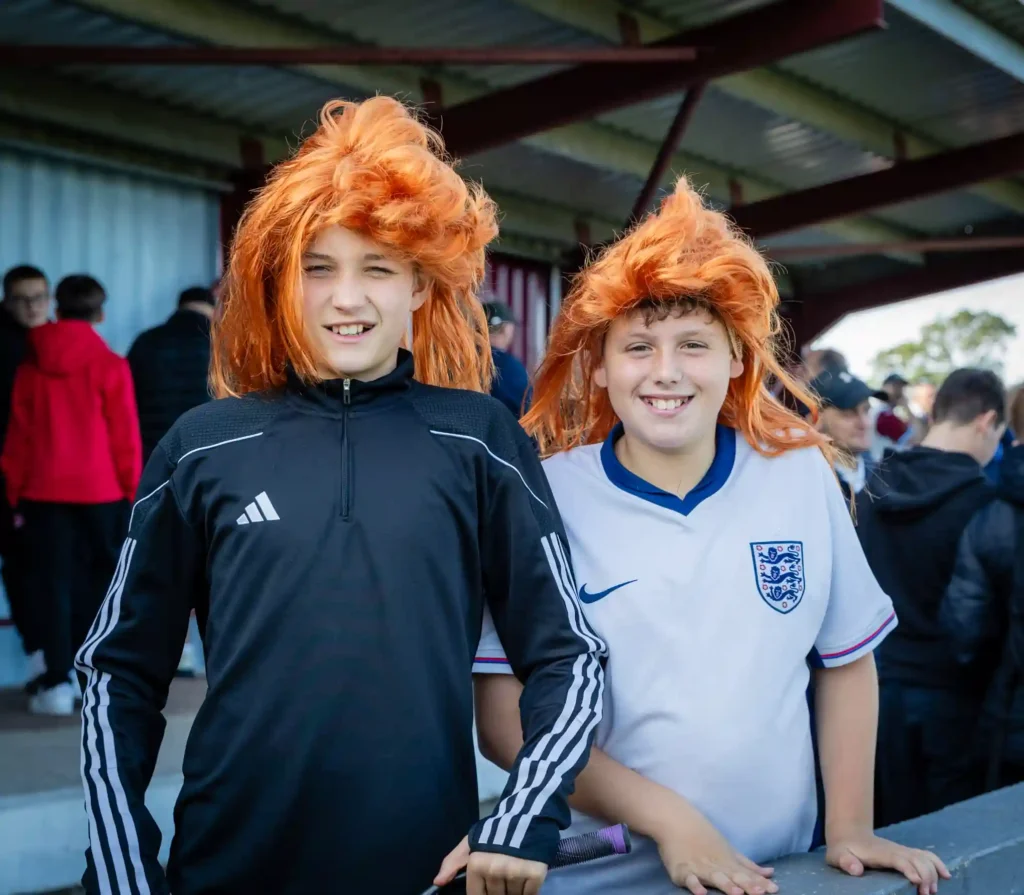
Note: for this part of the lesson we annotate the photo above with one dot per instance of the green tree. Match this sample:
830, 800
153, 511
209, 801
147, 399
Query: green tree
964, 339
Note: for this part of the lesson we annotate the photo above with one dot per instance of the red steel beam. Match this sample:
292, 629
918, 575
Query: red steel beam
819, 311
39, 55
916, 179
745, 41
668, 147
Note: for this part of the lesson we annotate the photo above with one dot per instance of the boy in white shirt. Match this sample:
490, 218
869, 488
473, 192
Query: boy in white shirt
715, 555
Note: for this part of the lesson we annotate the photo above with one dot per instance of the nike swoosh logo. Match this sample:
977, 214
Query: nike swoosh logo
593, 598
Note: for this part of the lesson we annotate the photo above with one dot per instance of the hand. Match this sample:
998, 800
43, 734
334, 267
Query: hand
696, 855
492, 874
852, 853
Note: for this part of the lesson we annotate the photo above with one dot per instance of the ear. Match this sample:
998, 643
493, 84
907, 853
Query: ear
600, 376
735, 367
986, 421
421, 290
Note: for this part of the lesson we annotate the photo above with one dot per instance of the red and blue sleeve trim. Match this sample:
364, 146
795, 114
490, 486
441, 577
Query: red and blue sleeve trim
842, 654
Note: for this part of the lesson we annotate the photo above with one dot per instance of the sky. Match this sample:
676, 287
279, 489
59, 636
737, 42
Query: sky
862, 335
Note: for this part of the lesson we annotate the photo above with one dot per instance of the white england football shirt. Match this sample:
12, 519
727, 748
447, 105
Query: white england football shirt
714, 608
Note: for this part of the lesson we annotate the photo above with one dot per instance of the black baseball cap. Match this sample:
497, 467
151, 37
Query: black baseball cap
894, 379
498, 313
843, 390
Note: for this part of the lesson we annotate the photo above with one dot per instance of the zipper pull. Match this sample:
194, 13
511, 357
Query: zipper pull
348, 391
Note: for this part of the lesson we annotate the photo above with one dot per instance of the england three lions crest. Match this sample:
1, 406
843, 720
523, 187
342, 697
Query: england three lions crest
779, 573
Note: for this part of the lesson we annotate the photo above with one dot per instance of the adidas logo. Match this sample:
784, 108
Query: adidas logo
252, 512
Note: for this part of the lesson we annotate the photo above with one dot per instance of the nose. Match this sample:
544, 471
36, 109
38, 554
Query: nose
667, 368
348, 293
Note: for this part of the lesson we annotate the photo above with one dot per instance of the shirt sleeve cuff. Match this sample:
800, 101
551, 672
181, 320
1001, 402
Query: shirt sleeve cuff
867, 642
489, 663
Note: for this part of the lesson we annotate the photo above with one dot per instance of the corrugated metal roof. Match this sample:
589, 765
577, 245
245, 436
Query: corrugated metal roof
455, 23
906, 74
747, 138
1005, 15
251, 96
911, 75
693, 13
523, 169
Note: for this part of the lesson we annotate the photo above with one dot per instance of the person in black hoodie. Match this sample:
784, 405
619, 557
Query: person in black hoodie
911, 517
984, 617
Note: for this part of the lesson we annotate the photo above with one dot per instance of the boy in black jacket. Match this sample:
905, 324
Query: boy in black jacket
984, 617
910, 518
343, 528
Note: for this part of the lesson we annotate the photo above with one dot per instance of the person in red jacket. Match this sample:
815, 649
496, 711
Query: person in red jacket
72, 460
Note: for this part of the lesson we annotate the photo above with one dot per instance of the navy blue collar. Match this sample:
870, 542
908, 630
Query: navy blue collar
716, 476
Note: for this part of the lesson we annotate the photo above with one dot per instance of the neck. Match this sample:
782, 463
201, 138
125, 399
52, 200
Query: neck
954, 439
678, 472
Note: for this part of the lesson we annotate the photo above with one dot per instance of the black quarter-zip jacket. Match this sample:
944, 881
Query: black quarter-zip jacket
339, 543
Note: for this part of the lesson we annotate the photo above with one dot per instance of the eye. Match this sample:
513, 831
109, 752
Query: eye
694, 346
316, 269
379, 271
639, 348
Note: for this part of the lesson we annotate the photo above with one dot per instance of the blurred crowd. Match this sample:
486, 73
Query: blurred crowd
77, 422
935, 477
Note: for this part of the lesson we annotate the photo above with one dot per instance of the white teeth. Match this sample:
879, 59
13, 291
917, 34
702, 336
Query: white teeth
663, 404
349, 329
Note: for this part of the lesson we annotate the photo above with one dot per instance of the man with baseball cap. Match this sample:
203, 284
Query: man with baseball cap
511, 381
846, 418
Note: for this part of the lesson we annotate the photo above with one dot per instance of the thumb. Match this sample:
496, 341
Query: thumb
850, 863
456, 860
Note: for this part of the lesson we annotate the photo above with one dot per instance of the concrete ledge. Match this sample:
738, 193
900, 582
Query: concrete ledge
44, 835
980, 840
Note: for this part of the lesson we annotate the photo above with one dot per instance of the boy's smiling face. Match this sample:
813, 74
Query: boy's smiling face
667, 378
357, 297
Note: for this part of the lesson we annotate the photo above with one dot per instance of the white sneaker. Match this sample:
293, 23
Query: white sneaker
59, 700
36, 664
187, 664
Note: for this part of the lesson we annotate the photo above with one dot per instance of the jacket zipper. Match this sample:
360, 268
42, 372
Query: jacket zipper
346, 462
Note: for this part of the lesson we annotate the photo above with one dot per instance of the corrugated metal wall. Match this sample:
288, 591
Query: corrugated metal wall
145, 239
532, 290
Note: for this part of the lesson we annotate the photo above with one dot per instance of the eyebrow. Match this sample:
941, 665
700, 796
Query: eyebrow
645, 333
316, 256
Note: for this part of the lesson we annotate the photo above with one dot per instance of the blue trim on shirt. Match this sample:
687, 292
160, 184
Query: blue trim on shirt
712, 482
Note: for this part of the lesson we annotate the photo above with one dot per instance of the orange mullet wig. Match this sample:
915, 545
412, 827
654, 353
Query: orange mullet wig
374, 168
685, 251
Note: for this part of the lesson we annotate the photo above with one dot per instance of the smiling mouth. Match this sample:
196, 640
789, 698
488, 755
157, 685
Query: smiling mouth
667, 405
349, 330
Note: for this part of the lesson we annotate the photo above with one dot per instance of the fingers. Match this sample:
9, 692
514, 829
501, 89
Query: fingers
929, 873
720, 880
692, 883
757, 868
849, 863
455, 860
475, 882
905, 866
532, 886
732, 879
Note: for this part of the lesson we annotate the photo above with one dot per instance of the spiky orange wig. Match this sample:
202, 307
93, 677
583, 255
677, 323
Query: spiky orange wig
687, 252
371, 167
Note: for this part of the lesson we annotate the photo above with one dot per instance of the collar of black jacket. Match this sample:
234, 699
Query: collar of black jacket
333, 396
